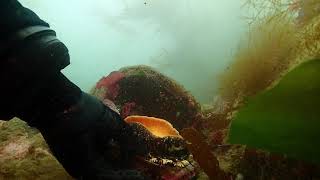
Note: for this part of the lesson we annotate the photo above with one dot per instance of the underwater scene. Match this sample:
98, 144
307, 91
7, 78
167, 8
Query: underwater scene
221, 89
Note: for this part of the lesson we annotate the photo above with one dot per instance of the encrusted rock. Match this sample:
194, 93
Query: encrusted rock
141, 90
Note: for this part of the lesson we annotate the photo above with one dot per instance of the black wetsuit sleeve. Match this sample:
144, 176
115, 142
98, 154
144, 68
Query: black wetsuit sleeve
13, 16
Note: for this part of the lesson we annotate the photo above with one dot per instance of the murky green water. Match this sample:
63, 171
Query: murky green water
243, 74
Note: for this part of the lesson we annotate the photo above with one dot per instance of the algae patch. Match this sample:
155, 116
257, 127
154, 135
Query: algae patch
25, 155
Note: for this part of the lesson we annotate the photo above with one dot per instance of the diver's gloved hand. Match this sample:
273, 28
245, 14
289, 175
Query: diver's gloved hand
81, 138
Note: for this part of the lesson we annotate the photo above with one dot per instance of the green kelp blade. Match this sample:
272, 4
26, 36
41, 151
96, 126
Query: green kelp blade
286, 118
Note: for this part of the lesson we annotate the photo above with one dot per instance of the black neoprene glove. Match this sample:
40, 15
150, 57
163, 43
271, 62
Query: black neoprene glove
82, 136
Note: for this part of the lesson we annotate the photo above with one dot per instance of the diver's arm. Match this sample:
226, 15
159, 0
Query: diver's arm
76, 126
14, 16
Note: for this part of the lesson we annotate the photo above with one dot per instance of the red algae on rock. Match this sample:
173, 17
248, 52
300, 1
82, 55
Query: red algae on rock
110, 84
15, 149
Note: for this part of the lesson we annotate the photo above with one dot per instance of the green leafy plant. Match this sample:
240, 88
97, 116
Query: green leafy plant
286, 118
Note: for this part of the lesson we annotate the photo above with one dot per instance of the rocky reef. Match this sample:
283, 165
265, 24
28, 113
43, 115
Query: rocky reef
141, 90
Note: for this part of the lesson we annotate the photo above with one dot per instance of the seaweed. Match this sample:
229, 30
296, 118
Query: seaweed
202, 154
261, 59
277, 40
286, 118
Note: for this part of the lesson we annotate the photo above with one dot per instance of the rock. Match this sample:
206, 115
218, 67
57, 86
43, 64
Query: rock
141, 90
25, 155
